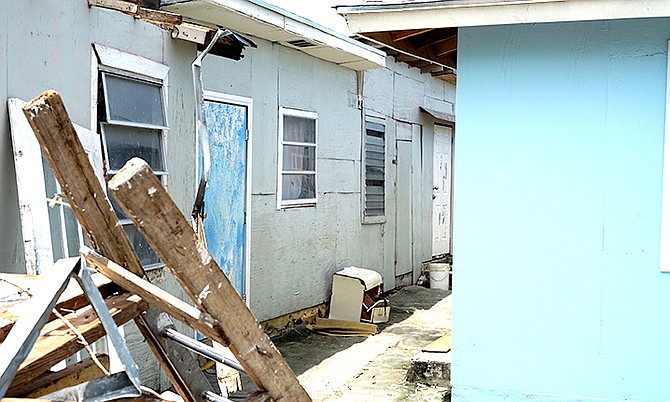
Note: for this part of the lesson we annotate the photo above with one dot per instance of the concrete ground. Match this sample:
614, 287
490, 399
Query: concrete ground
374, 368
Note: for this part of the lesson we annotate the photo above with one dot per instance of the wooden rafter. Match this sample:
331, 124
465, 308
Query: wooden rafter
433, 37
425, 53
447, 46
402, 35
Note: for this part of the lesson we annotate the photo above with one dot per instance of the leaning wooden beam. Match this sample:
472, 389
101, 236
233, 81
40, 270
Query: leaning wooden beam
147, 203
64, 152
67, 158
57, 341
152, 294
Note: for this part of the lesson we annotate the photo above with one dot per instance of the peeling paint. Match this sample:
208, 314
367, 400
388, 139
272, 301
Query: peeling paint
203, 295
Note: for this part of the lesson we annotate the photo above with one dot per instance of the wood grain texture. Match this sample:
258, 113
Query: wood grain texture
72, 297
56, 341
146, 202
78, 373
61, 146
66, 156
152, 294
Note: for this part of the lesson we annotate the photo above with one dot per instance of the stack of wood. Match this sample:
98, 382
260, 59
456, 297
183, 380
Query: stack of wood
218, 311
72, 326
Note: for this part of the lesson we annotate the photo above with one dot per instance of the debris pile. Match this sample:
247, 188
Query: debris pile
37, 335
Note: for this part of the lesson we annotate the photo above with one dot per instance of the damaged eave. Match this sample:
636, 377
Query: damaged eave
230, 46
378, 17
156, 17
266, 21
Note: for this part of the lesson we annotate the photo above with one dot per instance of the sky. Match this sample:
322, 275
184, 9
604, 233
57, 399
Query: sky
319, 11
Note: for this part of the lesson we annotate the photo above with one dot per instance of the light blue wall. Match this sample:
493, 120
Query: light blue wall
557, 289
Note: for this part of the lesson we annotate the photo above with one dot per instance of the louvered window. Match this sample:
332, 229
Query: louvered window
375, 157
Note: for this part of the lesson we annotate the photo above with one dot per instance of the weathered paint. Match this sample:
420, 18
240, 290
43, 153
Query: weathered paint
226, 196
295, 251
50, 47
558, 294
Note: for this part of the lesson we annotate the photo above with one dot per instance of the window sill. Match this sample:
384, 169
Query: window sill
373, 220
301, 205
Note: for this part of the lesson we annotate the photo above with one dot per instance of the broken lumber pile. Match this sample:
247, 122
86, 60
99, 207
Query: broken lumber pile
219, 312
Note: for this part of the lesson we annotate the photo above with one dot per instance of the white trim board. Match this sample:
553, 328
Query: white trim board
464, 13
30, 183
118, 59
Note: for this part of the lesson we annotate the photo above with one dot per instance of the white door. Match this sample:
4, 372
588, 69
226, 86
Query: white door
442, 151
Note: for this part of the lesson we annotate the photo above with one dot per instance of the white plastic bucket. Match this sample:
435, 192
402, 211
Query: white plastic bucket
439, 275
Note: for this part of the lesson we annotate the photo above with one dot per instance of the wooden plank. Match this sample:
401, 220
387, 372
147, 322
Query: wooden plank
72, 297
154, 16
401, 35
442, 344
85, 370
147, 203
64, 152
445, 47
329, 326
66, 156
152, 294
57, 341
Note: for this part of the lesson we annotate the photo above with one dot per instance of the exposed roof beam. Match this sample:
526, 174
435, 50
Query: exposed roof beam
384, 38
404, 47
448, 46
433, 36
402, 35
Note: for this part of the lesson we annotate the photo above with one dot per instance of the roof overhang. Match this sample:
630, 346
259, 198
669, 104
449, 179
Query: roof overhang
266, 21
388, 16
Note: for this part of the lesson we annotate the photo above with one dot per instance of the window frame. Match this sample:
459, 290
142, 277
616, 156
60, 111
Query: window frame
111, 61
374, 119
307, 202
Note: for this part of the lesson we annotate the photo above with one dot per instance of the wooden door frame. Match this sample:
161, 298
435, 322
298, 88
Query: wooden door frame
220, 97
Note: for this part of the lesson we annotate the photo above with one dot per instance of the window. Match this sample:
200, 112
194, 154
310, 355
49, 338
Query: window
132, 118
297, 158
374, 165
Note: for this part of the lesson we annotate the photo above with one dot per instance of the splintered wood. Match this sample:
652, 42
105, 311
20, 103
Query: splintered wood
220, 312
147, 203
63, 150
57, 341
68, 159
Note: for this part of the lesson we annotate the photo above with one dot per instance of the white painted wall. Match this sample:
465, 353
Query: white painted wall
49, 47
294, 252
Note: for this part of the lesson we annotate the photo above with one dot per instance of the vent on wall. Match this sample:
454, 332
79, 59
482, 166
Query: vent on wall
300, 43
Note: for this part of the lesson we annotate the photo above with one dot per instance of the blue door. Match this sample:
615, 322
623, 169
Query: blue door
225, 198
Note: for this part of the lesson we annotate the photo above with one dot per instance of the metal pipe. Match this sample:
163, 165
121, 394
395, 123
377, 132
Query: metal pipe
200, 348
210, 396
200, 124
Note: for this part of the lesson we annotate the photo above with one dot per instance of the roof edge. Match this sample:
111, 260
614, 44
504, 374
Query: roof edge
463, 13
272, 15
